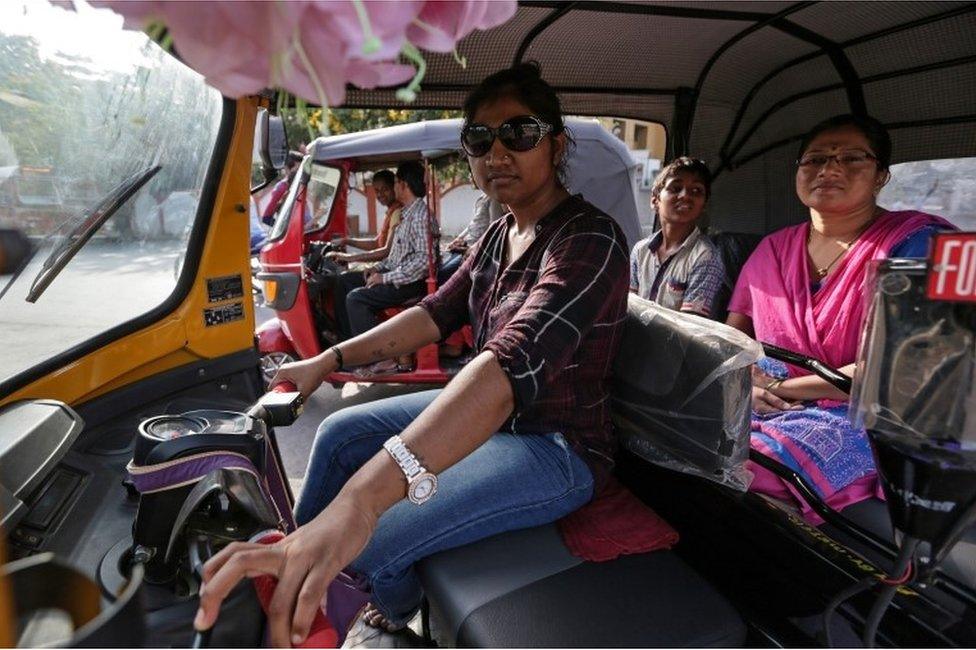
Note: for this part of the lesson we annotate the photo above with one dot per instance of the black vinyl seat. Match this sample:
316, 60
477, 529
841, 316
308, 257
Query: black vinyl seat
525, 589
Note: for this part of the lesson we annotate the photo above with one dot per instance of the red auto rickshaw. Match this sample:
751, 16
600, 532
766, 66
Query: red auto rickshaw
297, 278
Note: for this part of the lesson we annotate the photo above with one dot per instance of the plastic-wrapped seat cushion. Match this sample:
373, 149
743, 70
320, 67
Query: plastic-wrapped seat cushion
681, 392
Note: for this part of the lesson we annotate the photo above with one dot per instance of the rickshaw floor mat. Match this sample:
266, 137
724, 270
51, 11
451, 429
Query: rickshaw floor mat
524, 589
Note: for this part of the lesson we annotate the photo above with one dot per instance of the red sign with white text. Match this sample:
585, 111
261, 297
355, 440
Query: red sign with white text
952, 267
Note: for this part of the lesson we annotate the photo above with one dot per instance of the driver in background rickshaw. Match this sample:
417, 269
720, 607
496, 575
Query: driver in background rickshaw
377, 248
360, 296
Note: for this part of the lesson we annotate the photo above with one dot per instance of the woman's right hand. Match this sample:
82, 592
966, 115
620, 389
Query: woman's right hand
304, 562
307, 374
764, 401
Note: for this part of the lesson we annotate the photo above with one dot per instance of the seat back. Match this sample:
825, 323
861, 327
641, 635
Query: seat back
735, 248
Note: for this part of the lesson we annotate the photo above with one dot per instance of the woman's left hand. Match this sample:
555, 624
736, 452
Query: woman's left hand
765, 402
304, 562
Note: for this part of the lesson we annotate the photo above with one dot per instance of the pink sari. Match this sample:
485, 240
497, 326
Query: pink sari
774, 290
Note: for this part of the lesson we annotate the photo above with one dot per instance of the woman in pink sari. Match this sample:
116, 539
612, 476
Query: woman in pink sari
802, 289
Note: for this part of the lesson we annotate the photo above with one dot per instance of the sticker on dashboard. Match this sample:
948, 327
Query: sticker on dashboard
227, 287
225, 314
952, 267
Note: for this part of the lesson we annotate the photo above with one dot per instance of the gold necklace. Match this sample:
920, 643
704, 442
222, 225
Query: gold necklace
821, 273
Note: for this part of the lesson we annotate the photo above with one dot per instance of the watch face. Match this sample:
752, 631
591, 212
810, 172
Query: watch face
422, 488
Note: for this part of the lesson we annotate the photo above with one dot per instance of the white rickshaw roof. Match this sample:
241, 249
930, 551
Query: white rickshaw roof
600, 167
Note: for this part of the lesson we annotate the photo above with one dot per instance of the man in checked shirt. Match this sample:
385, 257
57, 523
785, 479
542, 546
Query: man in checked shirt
401, 275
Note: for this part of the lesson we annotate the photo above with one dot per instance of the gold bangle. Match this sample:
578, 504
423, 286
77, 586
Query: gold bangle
774, 384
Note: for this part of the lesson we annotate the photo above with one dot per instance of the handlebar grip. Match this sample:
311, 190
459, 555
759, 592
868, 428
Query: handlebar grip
285, 387
321, 634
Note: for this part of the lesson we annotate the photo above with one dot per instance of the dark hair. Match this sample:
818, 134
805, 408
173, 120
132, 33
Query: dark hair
683, 164
873, 130
522, 82
384, 176
412, 173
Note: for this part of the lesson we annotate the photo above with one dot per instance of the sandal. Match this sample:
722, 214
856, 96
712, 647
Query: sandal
387, 367
373, 618
406, 363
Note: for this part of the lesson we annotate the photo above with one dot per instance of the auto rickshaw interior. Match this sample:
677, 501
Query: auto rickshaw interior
734, 83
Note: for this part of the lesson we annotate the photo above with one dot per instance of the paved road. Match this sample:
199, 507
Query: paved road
104, 285
108, 283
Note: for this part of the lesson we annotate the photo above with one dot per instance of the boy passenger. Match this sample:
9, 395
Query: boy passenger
678, 267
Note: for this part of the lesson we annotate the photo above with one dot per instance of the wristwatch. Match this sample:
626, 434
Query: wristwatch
421, 484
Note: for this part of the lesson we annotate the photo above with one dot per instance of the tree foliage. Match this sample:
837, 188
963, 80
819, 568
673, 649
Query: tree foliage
90, 126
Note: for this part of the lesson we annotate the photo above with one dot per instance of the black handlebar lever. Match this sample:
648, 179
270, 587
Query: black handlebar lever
836, 378
280, 407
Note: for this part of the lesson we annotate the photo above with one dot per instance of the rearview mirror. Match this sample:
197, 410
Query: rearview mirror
272, 141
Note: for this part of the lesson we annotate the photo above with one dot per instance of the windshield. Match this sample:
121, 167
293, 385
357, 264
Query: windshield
86, 109
322, 188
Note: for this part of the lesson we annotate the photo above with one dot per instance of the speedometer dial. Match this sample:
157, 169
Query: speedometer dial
170, 428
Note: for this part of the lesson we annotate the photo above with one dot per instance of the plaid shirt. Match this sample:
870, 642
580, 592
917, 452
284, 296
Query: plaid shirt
553, 318
407, 261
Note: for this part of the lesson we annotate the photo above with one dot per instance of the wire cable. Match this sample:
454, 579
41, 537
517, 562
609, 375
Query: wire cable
843, 596
903, 568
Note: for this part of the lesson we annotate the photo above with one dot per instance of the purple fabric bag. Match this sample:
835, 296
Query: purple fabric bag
347, 594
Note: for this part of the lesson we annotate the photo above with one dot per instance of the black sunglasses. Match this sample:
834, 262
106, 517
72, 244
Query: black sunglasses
520, 133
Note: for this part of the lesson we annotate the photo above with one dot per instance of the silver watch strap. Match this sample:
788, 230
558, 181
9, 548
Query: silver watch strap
404, 458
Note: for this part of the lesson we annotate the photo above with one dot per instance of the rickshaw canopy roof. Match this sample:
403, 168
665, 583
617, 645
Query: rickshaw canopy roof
599, 166
737, 83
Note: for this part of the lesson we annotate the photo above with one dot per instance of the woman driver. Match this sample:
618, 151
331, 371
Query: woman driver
519, 438
802, 289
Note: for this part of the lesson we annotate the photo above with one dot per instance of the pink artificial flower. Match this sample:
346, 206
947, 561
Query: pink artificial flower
443, 23
331, 49
311, 48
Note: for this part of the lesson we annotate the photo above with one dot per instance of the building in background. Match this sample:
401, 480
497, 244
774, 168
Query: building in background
637, 135
647, 142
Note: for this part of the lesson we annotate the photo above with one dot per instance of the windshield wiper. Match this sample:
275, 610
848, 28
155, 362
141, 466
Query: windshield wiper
90, 222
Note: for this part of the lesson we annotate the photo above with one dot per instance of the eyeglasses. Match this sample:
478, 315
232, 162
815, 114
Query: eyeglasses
846, 159
522, 133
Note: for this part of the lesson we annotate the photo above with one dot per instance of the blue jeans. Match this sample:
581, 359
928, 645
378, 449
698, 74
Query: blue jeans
511, 481
364, 304
450, 264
